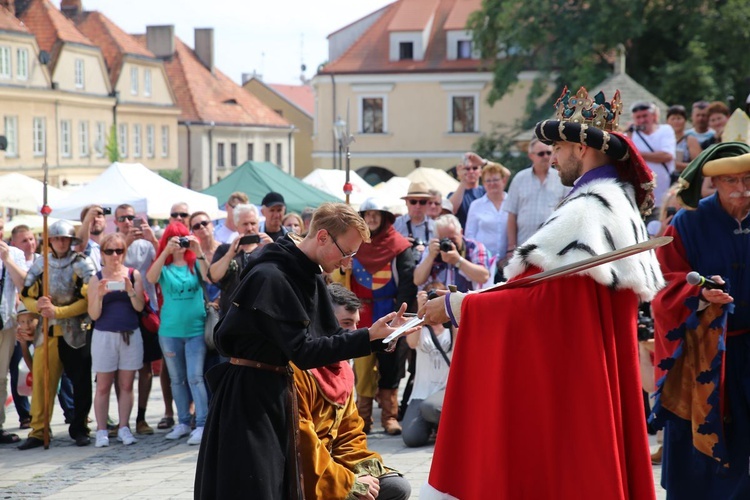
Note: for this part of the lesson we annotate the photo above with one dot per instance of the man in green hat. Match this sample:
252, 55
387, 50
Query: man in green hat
703, 332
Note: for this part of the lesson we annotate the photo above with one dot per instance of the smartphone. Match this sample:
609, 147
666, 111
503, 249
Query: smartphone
115, 286
138, 221
250, 239
106, 210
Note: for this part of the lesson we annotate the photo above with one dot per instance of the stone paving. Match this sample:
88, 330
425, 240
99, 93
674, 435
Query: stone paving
153, 468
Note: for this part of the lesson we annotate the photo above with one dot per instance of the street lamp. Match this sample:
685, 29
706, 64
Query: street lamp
341, 131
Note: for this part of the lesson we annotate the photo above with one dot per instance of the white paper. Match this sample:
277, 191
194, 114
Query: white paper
401, 329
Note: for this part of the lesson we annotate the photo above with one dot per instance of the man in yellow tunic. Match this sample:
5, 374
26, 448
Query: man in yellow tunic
334, 458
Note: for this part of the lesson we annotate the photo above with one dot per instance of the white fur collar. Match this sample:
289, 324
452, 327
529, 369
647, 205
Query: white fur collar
597, 218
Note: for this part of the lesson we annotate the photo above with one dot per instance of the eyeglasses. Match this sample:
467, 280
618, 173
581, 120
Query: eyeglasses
733, 181
198, 225
542, 154
123, 218
493, 181
344, 255
178, 215
414, 202
110, 251
471, 168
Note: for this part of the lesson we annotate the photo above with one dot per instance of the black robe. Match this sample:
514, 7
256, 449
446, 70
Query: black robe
281, 311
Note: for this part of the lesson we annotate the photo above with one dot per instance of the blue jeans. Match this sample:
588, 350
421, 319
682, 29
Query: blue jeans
184, 358
23, 408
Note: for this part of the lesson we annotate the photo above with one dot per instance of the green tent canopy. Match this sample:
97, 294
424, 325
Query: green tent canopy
256, 179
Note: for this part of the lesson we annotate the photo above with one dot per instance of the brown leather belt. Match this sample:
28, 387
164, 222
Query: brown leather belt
259, 365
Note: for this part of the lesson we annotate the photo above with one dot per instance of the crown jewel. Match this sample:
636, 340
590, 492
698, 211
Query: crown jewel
580, 108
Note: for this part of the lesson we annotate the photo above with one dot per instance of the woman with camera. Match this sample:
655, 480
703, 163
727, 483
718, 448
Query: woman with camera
114, 303
179, 268
382, 276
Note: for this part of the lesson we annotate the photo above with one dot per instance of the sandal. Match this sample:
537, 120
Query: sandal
165, 423
25, 423
8, 438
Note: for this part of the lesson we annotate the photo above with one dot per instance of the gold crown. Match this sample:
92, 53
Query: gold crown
596, 112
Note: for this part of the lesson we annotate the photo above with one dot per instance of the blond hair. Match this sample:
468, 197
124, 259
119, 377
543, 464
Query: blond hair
336, 219
495, 168
109, 238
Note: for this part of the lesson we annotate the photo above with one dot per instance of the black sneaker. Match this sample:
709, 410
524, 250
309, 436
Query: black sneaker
30, 443
82, 440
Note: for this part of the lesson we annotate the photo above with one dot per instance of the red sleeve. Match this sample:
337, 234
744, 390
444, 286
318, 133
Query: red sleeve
669, 309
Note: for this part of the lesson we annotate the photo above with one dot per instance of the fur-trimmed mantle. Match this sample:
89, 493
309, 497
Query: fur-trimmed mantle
597, 218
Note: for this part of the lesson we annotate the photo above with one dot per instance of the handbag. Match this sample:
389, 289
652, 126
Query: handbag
212, 317
148, 319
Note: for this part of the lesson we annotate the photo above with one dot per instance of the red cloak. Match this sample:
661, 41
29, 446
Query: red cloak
544, 401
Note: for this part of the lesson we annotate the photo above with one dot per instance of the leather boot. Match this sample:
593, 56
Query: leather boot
389, 403
364, 408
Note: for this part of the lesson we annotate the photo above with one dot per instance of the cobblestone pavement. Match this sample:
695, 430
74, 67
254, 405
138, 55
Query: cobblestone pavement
153, 468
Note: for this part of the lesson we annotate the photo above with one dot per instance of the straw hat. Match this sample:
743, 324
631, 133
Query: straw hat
417, 190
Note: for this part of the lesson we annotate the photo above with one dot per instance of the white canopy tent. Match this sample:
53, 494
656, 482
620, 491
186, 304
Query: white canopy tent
23, 193
332, 182
435, 179
135, 184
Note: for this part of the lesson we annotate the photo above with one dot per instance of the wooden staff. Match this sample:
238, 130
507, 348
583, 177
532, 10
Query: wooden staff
46, 210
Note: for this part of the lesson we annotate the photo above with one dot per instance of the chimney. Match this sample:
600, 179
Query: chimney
10, 5
71, 8
619, 59
204, 47
160, 40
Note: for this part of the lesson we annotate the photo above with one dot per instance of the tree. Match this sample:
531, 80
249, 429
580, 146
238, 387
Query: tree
113, 150
172, 175
681, 50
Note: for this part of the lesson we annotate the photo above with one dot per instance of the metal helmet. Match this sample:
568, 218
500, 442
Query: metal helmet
64, 229
379, 205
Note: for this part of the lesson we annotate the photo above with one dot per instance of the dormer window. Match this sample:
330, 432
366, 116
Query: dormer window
406, 51
459, 45
463, 49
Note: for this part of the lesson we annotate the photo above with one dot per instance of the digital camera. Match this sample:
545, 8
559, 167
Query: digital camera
446, 245
184, 242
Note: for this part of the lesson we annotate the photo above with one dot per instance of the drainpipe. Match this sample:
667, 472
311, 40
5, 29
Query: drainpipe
333, 135
189, 167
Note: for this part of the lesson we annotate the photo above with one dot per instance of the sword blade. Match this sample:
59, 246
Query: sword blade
582, 265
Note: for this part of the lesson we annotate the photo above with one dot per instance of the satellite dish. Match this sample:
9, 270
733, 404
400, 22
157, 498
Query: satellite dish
44, 57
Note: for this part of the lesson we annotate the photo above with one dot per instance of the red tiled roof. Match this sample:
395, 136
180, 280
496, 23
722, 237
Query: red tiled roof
301, 96
412, 15
49, 25
212, 97
370, 54
113, 41
9, 22
460, 13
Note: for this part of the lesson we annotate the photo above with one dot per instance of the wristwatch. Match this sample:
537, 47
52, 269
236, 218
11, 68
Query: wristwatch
458, 264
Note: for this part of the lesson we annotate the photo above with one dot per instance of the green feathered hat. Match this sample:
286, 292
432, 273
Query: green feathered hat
720, 159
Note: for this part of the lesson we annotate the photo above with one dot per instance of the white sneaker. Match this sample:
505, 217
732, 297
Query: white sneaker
102, 439
178, 431
125, 436
196, 436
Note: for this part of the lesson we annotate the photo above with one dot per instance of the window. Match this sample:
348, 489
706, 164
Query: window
150, 141
136, 141
267, 152
122, 141
147, 82
40, 136
5, 71
406, 51
11, 134
100, 141
83, 139
233, 154
134, 81
22, 64
372, 115
164, 141
463, 115
220, 155
278, 154
463, 51
250, 151
65, 138
79, 73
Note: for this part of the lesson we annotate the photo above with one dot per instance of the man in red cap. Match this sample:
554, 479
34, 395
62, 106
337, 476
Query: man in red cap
548, 375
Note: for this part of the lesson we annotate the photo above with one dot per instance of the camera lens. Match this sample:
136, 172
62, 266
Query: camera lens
446, 245
184, 242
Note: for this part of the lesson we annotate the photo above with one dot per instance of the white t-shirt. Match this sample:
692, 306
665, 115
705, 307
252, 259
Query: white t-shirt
431, 373
662, 139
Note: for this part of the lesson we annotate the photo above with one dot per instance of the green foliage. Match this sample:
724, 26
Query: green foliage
172, 175
113, 150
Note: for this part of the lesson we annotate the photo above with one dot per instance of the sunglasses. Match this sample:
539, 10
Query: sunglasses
542, 154
123, 218
414, 202
437, 203
177, 215
471, 168
110, 251
198, 225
